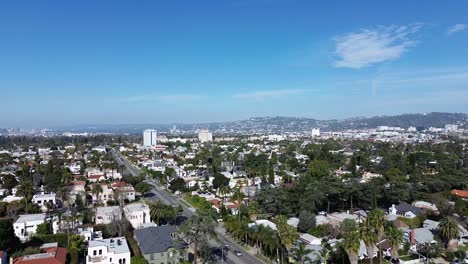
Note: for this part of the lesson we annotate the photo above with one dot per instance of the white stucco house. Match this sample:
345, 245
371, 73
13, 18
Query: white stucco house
26, 225
108, 251
44, 199
138, 214
107, 215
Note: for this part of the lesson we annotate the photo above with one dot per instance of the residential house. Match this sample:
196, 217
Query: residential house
107, 215
461, 193
159, 245
77, 187
45, 200
426, 206
138, 214
108, 251
418, 236
89, 234
123, 191
405, 210
50, 253
433, 226
107, 194
26, 225
310, 239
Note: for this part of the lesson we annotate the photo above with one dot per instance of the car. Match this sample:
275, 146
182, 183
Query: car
238, 253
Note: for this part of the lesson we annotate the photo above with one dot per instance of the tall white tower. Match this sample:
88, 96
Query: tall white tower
205, 136
150, 137
315, 132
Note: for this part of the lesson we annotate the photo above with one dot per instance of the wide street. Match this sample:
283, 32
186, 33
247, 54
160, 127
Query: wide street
160, 193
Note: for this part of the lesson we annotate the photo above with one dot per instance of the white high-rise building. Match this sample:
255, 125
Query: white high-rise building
205, 136
150, 137
315, 132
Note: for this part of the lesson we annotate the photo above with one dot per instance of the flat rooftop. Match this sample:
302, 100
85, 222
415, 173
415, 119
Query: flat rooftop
30, 218
117, 244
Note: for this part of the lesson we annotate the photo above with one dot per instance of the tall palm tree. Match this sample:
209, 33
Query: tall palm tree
26, 189
394, 239
448, 229
286, 233
351, 244
300, 252
369, 236
253, 209
97, 189
198, 230
224, 190
377, 221
238, 196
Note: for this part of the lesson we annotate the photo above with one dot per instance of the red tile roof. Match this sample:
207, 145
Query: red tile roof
119, 184
78, 182
52, 255
460, 193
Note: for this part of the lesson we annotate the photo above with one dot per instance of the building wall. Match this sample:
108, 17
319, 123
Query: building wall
24, 230
172, 256
149, 137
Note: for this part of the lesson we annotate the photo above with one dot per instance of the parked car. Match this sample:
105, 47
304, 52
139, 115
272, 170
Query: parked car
238, 253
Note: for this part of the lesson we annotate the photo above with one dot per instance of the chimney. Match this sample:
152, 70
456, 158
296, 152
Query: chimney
412, 237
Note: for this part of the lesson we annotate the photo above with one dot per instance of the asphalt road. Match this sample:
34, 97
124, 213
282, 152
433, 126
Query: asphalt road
163, 195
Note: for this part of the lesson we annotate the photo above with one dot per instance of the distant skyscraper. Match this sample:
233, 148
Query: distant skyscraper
315, 132
150, 137
205, 136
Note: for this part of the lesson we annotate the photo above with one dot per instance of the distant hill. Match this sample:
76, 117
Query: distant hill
290, 124
433, 119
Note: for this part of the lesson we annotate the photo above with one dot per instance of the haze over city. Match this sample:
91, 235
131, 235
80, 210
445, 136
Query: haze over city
118, 62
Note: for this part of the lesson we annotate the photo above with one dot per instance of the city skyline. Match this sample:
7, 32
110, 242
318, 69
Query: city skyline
153, 62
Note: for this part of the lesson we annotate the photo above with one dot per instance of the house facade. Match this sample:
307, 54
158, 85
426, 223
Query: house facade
26, 225
108, 251
138, 214
108, 214
159, 245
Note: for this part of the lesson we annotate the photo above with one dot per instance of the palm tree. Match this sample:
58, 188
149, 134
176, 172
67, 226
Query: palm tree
377, 222
97, 189
448, 229
287, 234
238, 196
369, 236
75, 246
394, 239
224, 190
300, 252
253, 209
351, 244
198, 230
26, 189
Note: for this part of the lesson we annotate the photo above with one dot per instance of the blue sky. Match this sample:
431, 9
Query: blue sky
75, 62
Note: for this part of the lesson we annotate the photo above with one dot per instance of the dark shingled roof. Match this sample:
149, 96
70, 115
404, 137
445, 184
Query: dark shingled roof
157, 239
404, 207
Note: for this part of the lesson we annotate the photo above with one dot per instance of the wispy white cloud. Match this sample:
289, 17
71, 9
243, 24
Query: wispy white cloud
370, 46
164, 98
266, 94
456, 28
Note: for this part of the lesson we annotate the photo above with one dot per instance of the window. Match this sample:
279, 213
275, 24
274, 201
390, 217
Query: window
100, 252
151, 256
110, 259
94, 252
